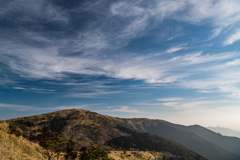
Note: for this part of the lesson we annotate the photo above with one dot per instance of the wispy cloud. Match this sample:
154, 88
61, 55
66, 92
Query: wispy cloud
35, 108
5, 81
221, 13
147, 104
15, 107
187, 105
232, 39
95, 94
28, 10
34, 89
174, 49
179, 70
67, 107
170, 99
95, 48
125, 109
184, 104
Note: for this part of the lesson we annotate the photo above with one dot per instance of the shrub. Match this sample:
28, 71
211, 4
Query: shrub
14, 130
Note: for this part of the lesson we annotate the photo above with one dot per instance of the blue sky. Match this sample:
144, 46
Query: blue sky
175, 60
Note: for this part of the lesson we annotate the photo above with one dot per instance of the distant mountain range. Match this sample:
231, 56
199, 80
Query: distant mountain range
82, 126
225, 131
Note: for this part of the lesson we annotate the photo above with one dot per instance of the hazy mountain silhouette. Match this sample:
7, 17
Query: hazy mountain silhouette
225, 131
231, 144
180, 134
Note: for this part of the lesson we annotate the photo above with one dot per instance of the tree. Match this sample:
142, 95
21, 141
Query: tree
46, 140
70, 151
52, 142
94, 153
60, 143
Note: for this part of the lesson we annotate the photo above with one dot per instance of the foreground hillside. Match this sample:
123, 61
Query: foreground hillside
84, 126
17, 148
140, 155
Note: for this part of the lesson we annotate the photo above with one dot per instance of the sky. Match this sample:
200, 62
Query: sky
176, 60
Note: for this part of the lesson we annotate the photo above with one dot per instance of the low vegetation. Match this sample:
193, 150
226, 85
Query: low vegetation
15, 147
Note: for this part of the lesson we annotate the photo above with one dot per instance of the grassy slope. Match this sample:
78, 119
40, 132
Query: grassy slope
134, 155
140, 155
19, 148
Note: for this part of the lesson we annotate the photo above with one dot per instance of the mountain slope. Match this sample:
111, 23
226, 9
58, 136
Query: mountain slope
187, 139
13, 147
231, 144
147, 141
84, 126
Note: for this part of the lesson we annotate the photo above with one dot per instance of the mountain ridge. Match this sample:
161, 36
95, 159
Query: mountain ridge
231, 144
84, 126
225, 131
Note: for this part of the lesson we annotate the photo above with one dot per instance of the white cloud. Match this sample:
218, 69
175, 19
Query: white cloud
126, 9
201, 71
34, 89
170, 99
189, 104
28, 10
5, 81
147, 104
211, 72
232, 39
34, 108
67, 107
95, 94
15, 107
220, 13
124, 109
174, 49
21, 88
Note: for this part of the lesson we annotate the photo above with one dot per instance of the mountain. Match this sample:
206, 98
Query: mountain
83, 126
225, 131
179, 134
151, 142
14, 146
231, 144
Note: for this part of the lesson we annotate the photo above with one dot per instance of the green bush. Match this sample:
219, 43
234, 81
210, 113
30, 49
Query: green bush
14, 130
95, 153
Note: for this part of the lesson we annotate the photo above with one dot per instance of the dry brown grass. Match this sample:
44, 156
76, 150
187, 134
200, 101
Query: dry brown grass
17, 148
135, 155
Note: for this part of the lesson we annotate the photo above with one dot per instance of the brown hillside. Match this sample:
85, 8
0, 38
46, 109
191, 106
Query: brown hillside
17, 148
83, 127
